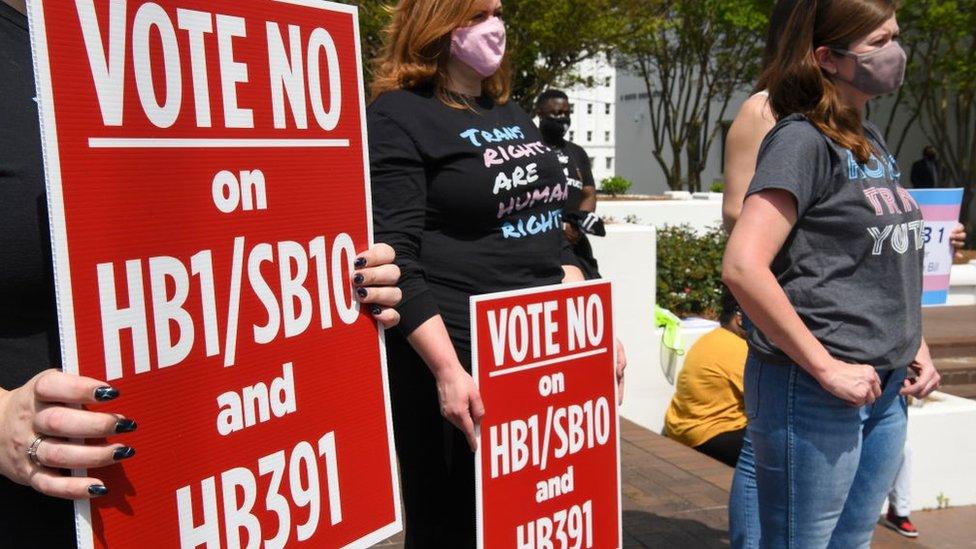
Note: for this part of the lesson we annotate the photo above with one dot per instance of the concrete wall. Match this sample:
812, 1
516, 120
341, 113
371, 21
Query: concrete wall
628, 257
962, 289
943, 443
701, 214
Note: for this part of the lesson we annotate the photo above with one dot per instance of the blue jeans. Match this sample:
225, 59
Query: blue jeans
814, 471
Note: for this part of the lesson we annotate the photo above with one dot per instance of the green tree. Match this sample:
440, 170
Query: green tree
546, 39
373, 18
693, 56
939, 95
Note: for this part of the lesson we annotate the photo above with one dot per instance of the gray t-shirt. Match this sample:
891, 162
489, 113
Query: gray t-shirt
852, 265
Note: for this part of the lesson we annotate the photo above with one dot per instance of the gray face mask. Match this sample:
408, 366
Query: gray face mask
877, 72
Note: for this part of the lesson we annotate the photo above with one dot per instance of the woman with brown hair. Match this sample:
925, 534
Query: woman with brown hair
470, 198
826, 260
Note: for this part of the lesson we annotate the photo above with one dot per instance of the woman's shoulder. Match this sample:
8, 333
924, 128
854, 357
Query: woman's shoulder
796, 127
400, 103
756, 110
752, 122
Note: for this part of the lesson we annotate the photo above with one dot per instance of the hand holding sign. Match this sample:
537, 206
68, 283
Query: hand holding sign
375, 280
958, 239
461, 403
40, 409
619, 370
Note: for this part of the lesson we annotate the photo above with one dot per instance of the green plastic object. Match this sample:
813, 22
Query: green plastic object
664, 318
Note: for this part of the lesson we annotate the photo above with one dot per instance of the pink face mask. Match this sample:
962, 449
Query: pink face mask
480, 46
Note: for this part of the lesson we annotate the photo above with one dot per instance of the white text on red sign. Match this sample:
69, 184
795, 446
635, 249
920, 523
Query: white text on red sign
523, 333
302, 63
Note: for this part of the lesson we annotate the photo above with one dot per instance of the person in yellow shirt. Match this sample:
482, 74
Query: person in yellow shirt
707, 411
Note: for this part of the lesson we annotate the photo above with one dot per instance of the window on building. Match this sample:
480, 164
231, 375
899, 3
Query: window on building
609, 162
571, 135
606, 136
589, 136
606, 109
572, 108
592, 161
607, 82
589, 108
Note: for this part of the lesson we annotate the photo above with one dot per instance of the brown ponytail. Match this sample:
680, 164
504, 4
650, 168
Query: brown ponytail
797, 84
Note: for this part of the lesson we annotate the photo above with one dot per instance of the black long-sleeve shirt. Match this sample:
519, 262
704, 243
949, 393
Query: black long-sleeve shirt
471, 200
28, 319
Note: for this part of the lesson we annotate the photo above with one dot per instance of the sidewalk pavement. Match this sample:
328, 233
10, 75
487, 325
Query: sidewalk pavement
675, 497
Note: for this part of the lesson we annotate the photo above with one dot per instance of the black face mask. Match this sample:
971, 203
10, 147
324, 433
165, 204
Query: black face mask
553, 128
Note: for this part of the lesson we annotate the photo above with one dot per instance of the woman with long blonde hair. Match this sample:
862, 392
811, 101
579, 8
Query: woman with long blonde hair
470, 198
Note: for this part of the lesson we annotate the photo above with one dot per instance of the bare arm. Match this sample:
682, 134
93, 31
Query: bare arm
572, 273
741, 149
589, 200
766, 221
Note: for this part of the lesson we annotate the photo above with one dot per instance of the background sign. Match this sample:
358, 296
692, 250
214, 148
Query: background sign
208, 191
548, 462
940, 209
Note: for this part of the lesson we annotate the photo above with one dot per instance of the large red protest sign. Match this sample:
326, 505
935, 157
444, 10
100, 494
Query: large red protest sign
208, 190
548, 463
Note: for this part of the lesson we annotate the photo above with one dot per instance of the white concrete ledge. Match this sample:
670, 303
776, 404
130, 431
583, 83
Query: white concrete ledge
700, 214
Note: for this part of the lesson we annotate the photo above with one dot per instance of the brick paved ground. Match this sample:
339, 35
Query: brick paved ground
674, 497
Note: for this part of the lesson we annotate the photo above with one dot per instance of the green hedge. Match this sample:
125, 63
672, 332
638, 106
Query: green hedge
689, 270
615, 185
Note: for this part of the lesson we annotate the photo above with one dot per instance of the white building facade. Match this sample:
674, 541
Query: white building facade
594, 112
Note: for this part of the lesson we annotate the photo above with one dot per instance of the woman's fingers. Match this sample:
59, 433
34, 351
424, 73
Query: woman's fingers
383, 296
62, 454
387, 318
50, 482
61, 421
379, 254
57, 386
467, 426
621, 358
384, 275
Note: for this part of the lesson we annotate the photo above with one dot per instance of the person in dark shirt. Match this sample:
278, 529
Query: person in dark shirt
36, 414
579, 219
471, 199
925, 171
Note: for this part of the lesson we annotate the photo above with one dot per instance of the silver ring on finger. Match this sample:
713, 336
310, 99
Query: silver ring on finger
32, 450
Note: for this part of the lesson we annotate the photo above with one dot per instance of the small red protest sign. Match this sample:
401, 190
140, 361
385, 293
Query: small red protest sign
547, 468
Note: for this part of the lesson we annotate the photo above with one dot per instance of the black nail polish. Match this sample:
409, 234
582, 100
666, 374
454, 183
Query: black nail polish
97, 490
376, 310
358, 279
362, 293
106, 393
125, 426
360, 262
124, 452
